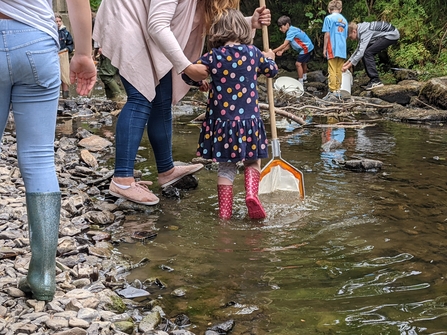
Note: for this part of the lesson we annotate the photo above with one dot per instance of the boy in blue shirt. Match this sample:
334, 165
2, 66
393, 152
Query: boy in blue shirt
299, 41
335, 29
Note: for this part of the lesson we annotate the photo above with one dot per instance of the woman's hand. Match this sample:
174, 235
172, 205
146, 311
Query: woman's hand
261, 16
269, 54
83, 73
196, 72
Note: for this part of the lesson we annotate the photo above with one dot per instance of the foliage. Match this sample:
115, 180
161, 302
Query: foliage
94, 4
421, 23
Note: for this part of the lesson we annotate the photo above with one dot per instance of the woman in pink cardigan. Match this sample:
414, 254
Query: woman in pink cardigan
152, 43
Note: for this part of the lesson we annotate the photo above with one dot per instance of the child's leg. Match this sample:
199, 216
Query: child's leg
252, 174
334, 68
302, 63
299, 70
304, 70
225, 179
338, 72
332, 75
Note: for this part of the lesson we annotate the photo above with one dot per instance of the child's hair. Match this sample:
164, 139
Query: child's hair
283, 20
229, 26
351, 27
334, 5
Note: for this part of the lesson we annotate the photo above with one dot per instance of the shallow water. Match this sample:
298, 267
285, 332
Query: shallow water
364, 253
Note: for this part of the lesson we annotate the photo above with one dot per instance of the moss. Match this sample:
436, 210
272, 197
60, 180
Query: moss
117, 304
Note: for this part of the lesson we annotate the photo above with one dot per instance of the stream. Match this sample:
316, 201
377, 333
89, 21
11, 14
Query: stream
363, 253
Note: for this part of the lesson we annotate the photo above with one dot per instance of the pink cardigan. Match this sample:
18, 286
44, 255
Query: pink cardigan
146, 39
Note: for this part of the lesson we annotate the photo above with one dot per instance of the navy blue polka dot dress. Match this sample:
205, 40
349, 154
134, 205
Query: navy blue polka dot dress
233, 130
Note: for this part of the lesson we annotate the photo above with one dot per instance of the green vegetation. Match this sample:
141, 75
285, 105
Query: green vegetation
94, 4
421, 23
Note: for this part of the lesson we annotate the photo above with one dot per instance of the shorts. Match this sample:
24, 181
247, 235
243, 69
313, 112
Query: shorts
304, 58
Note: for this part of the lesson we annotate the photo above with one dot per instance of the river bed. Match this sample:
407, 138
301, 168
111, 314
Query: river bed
363, 253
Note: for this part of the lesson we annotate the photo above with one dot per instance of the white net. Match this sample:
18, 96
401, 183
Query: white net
279, 179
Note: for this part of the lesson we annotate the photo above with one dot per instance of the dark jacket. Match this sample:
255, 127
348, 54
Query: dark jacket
65, 39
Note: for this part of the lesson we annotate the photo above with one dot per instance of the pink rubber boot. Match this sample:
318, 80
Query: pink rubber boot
254, 206
225, 196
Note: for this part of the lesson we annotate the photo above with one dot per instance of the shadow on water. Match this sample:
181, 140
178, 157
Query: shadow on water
364, 253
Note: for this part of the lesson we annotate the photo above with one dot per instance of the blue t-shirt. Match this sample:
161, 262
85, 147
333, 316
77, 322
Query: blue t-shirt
337, 26
299, 40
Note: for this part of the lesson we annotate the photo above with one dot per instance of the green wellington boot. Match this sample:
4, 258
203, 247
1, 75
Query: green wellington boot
43, 222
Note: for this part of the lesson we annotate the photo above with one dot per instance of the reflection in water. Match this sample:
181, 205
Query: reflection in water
364, 253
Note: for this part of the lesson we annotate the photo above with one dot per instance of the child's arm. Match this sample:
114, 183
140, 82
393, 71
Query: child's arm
282, 48
326, 40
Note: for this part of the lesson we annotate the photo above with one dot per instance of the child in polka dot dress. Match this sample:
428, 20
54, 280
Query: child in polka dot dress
233, 130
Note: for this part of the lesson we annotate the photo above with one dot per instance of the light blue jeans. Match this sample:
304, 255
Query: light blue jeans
29, 83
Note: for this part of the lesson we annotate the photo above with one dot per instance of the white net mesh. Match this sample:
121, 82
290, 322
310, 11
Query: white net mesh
279, 179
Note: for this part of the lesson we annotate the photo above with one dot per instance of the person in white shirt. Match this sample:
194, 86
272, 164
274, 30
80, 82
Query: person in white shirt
29, 86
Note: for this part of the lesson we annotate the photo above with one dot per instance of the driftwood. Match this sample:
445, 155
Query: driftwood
357, 125
284, 113
322, 107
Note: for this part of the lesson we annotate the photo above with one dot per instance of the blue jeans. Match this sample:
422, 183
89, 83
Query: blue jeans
29, 83
137, 114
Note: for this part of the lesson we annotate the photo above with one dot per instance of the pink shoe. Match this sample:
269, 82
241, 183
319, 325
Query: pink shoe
225, 196
254, 206
178, 173
137, 192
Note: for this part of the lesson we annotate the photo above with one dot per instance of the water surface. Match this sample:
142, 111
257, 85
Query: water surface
364, 253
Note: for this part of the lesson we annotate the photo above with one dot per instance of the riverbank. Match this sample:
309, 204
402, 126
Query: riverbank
93, 295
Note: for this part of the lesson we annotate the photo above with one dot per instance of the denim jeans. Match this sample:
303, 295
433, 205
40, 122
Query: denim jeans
29, 84
137, 114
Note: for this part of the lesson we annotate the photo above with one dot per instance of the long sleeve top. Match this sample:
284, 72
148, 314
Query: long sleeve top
368, 32
146, 39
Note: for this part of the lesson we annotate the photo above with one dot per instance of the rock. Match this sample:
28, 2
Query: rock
405, 74
15, 292
57, 323
89, 159
73, 331
94, 143
363, 165
78, 323
132, 292
224, 327
27, 329
400, 93
150, 321
316, 76
124, 326
87, 314
435, 92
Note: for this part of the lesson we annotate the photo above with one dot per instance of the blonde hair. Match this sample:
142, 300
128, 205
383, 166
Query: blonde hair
215, 8
230, 26
334, 5
351, 27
